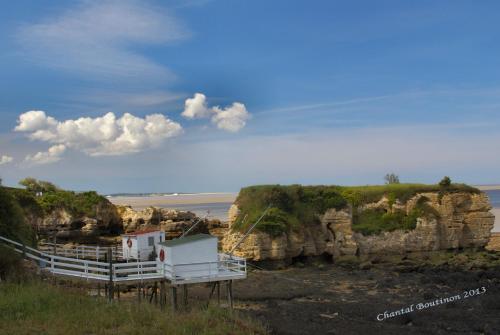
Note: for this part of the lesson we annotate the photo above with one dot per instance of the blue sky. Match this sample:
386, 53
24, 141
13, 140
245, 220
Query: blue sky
331, 92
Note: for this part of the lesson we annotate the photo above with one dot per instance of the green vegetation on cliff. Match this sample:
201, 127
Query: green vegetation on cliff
13, 222
38, 308
296, 205
13, 225
49, 197
292, 206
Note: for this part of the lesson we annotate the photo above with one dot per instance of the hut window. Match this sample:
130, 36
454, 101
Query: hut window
151, 241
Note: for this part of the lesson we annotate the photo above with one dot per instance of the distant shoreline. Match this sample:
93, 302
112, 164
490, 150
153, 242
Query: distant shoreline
488, 187
172, 200
174, 194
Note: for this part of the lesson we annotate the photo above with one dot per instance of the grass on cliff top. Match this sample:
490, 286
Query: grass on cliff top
39, 308
296, 205
76, 203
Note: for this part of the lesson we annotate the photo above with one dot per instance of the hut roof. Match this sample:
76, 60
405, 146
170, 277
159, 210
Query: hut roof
187, 239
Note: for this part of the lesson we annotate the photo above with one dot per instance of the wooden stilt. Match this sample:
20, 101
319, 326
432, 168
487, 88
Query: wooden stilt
111, 284
163, 296
156, 293
153, 292
139, 293
118, 291
218, 293
185, 294
98, 289
211, 293
174, 298
230, 293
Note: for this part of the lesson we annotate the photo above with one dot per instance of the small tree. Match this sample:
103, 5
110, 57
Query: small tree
36, 186
391, 178
445, 182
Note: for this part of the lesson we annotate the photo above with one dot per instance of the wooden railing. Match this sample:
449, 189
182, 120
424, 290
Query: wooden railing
225, 268
81, 251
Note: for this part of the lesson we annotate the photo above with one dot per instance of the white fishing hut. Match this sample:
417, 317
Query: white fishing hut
141, 245
189, 257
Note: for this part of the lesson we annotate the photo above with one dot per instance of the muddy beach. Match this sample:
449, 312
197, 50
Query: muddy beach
442, 293
326, 299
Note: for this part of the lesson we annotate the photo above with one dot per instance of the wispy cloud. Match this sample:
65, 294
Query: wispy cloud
489, 92
130, 99
304, 107
96, 39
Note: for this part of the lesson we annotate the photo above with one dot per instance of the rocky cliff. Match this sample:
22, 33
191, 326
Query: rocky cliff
111, 220
172, 222
453, 220
69, 225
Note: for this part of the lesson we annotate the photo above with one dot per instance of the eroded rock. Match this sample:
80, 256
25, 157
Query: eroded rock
460, 220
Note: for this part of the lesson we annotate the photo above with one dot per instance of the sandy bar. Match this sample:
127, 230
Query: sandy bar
172, 200
488, 187
496, 212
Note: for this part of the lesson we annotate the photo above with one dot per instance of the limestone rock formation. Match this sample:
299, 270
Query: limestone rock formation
173, 222
67, 225
461, 220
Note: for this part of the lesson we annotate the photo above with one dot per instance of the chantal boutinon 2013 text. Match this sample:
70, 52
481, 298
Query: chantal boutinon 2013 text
433, 303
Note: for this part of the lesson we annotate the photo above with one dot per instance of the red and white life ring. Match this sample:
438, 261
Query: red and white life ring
162, 255
129, 242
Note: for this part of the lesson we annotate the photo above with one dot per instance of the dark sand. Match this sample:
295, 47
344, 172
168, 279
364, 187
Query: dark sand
331, 299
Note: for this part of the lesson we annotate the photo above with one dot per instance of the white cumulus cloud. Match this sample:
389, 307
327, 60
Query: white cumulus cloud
232, 118
4, 159
196, 107
50, 156
105, 135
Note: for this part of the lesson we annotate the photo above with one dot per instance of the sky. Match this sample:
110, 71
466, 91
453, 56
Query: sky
214, 95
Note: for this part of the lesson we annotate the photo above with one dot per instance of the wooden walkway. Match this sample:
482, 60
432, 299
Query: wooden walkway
226, 268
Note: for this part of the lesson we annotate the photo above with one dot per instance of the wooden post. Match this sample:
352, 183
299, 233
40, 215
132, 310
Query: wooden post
163, 296
185, 294
174, 298
218, 293
98, 289
211, 293
54, 239
139, 293
230, 293
110, 285
118, 291
154, 293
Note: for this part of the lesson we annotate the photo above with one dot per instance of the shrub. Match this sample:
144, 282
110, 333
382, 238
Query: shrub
445, 182
9, 263
35, 186
78, 204
292, 206
13, 223
391, 178
375, 221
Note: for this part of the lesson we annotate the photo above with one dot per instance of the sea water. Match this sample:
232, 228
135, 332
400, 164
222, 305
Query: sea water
494, 196
216, 210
